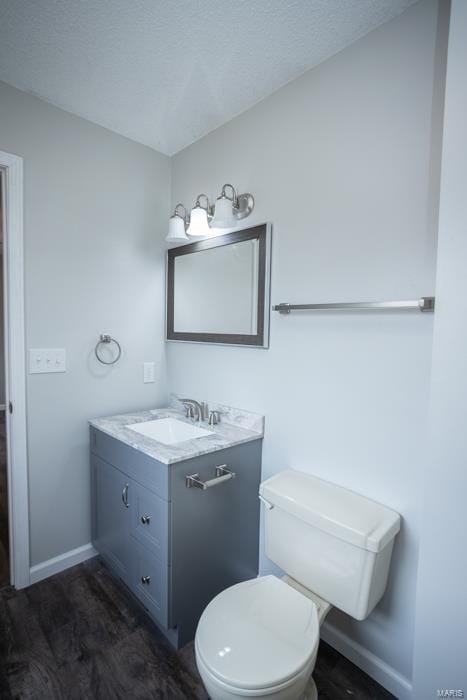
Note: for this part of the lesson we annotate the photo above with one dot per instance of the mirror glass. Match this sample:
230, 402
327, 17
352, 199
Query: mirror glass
218, 289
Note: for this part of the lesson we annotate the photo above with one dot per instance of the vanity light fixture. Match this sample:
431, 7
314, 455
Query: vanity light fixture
177, 226
199, 218
230, 209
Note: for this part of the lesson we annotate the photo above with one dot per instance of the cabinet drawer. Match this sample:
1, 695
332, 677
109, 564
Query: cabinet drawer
150, 520
151, 582
144, 469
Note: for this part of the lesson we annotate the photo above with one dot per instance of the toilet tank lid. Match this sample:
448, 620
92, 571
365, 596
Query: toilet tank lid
332, 509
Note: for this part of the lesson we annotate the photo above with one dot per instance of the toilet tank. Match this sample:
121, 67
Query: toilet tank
333, 541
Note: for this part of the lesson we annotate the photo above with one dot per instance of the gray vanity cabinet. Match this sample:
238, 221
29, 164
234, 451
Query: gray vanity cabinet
175, 547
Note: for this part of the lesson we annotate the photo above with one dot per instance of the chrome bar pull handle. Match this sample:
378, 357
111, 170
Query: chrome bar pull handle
125, 496
222, 474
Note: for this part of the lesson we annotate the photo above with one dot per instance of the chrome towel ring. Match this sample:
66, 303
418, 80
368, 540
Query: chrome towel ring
106, 339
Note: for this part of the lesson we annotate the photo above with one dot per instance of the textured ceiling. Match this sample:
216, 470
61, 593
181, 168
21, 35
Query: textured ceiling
166, 72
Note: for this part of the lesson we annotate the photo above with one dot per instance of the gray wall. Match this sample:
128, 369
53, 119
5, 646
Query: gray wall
441, 620
2, 314
2, 335
345, 163
96, 205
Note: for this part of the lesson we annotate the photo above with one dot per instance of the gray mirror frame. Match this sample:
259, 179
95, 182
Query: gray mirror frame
262, 233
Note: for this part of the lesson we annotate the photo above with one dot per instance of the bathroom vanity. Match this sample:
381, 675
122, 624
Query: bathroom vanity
177, 522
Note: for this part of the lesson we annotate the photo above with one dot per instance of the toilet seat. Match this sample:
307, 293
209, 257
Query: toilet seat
258, 635
277, 691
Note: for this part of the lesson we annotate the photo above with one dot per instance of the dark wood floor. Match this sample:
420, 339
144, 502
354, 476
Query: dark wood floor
80, 635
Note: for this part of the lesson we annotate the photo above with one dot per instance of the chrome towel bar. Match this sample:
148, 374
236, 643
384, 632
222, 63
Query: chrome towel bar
423, 304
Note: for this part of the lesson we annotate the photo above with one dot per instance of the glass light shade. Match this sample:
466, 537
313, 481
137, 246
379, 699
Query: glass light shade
199, 225
176, 229
223, 214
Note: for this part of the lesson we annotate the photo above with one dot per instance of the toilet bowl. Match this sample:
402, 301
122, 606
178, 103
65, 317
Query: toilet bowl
258, 639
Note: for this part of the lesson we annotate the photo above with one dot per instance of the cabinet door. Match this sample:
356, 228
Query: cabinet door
214, 532
111, 516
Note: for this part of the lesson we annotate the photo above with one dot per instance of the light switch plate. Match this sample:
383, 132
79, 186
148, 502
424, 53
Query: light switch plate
149, 372
46, 360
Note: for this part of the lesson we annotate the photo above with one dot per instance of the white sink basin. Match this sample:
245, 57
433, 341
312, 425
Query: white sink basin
169, 430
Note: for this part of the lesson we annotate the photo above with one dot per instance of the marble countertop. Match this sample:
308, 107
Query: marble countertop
236, 426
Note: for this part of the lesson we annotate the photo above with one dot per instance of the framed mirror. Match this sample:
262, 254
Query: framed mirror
218, 289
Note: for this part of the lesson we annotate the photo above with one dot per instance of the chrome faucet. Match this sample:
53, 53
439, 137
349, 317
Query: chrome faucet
198, 411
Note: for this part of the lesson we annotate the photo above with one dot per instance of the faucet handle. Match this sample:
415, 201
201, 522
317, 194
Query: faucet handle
214, 417
189, 413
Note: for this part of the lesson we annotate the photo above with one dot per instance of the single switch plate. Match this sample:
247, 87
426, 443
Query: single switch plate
46, 360
149, 372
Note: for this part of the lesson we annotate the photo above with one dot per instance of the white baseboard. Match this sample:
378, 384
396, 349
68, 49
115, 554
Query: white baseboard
379, 670
53, 566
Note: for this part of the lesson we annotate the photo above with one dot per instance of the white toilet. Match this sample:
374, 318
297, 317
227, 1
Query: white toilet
260, 638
